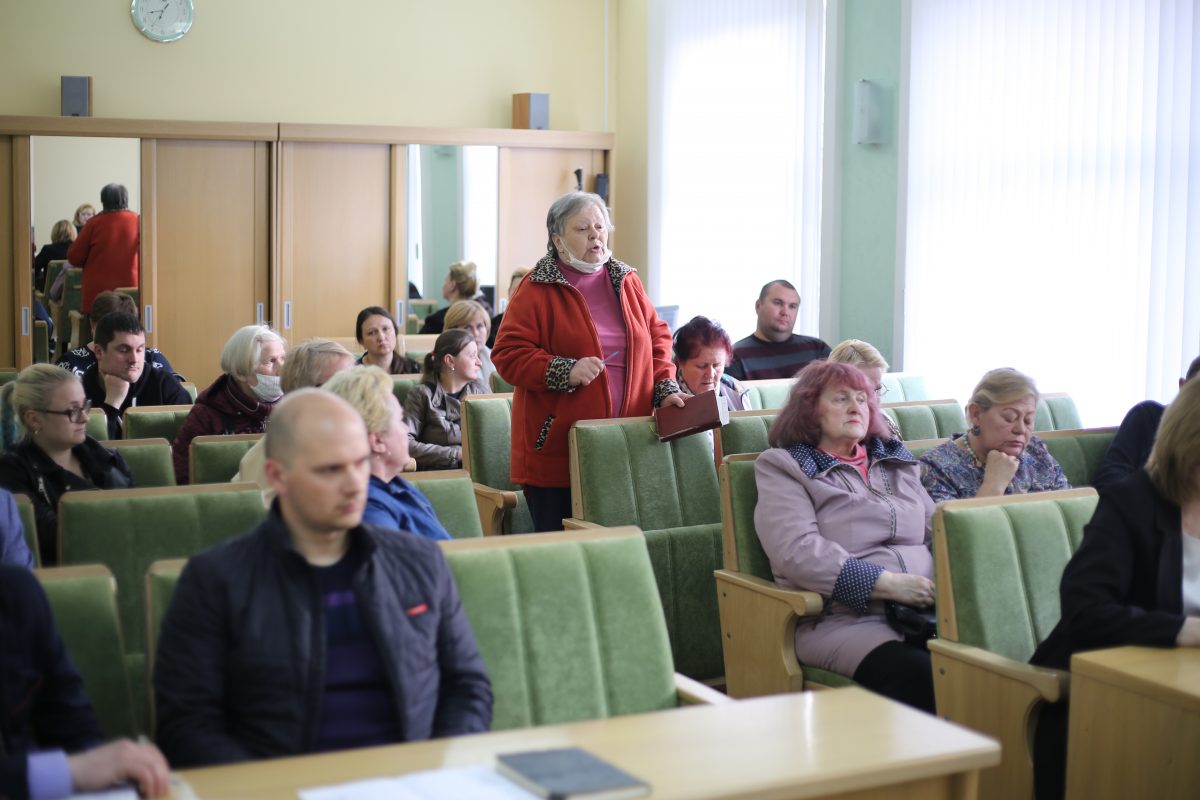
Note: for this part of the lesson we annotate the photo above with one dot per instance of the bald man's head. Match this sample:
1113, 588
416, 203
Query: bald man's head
304, 410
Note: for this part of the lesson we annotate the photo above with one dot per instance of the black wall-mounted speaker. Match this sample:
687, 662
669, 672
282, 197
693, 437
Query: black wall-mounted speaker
76, 95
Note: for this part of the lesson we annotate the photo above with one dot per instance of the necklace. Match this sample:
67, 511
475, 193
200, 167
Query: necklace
965, 443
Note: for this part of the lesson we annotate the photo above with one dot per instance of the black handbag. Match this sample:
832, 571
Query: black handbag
916, 625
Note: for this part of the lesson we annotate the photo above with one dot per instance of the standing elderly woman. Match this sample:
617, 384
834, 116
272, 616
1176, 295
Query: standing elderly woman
999, 454
241, 398
107, 247
1135, 579
461, 284
841, 512
581, 340
375, 329
870, 362
433, 408
473, 318
392, 502
702, 350
46, 407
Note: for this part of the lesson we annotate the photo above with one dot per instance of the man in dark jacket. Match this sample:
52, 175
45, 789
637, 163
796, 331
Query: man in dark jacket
120, 378
44, 713
314, 632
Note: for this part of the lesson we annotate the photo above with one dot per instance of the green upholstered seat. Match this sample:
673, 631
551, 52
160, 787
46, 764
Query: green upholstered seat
84, 602
41, 342
148, 459
146, 422
998, 564
622, 475
758, 618
128, 529
902, 387
97, 425
569, 625
216, 459
499, 385
746, 432
1079, 452
768, 394
927, 419
29, 525
487, 454
161, 578
72, 300
452, 494
402, 385
1056, 412
52, 269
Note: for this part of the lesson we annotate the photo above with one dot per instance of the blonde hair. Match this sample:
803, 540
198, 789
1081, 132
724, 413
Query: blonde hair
1004, 385
306, 361
462, 312
241, 353
859, 354
30, 391
80, 210
462, 275
368, 390
517, 275
1175, 460
63, 231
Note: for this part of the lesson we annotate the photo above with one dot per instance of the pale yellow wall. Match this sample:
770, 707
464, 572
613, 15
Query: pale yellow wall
69, 171
394, 62
629, 195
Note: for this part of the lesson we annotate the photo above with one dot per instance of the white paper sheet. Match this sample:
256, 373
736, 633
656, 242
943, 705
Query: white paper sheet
480, 782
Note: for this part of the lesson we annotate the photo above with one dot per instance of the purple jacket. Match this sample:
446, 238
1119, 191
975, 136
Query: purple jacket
826, 531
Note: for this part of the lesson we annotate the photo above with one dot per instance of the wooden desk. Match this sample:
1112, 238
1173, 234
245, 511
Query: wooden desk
847, 743
1135, 723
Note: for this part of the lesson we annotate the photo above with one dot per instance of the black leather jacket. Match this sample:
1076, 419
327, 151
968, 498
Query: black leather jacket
240, 668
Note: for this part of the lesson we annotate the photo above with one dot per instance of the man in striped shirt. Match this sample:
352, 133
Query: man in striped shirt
773, 351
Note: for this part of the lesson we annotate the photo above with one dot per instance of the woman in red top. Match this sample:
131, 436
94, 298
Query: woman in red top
581, 340
107, 247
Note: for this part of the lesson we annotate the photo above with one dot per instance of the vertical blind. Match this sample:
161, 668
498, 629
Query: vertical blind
734, 126
1053, 198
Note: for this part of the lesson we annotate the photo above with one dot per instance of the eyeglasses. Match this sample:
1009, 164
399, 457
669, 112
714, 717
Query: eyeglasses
881, 390
73, 414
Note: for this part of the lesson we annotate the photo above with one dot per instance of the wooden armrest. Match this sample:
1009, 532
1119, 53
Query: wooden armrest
493, 505
693, 693
574, 524
1052, 684
804, 604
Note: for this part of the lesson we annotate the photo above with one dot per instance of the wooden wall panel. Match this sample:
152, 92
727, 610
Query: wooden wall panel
530, 180
16, 277
205, 233
336, 225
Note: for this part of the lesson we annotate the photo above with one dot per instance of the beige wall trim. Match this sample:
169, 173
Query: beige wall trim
387, 134
138, 128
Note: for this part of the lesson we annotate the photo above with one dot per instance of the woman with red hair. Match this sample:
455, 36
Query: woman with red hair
702, 351
841, 512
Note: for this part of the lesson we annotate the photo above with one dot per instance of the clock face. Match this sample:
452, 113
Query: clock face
163, 20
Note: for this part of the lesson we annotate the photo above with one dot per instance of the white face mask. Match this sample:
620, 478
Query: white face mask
585, 266
268, 389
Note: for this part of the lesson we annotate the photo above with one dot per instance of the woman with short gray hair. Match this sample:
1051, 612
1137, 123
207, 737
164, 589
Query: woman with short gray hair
241, 398
107, 247
581, 340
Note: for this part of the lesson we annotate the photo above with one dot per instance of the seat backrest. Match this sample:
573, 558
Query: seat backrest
998, 564
927, 419
769, 394
452, 493
746, 432
1056, 412
919, 447
97, 425
29, 524
52, 269
1079, 452
903, 387
216, 459
145, 422
739, 495
417, 345
403, 384
569, 625
148, 459
487, 439
161, 578
84, 602
499, 385
128, 529
622, 475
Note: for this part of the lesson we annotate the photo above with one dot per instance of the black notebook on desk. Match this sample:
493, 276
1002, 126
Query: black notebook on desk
568, 773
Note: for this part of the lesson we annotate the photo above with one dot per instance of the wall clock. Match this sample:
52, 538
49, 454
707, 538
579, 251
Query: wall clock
163, 20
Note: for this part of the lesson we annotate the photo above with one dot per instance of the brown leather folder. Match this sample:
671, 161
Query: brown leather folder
701, 412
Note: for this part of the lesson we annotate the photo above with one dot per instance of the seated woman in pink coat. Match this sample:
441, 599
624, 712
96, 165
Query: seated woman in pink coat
841, 512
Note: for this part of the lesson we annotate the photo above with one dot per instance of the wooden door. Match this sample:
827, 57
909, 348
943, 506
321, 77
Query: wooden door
205, 241
337, 230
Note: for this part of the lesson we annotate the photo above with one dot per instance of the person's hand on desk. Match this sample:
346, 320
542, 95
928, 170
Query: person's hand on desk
119, 761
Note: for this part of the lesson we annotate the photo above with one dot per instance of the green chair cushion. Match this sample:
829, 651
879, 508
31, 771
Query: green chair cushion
453, 500
217, 459
155, 424
401, 386
684, 561
903, 388
487, 427
1056, 412
499, 385
1079, 455
149, 460
568, 630
746, 434
743, 497
768, 394
928, 421
1006, 561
